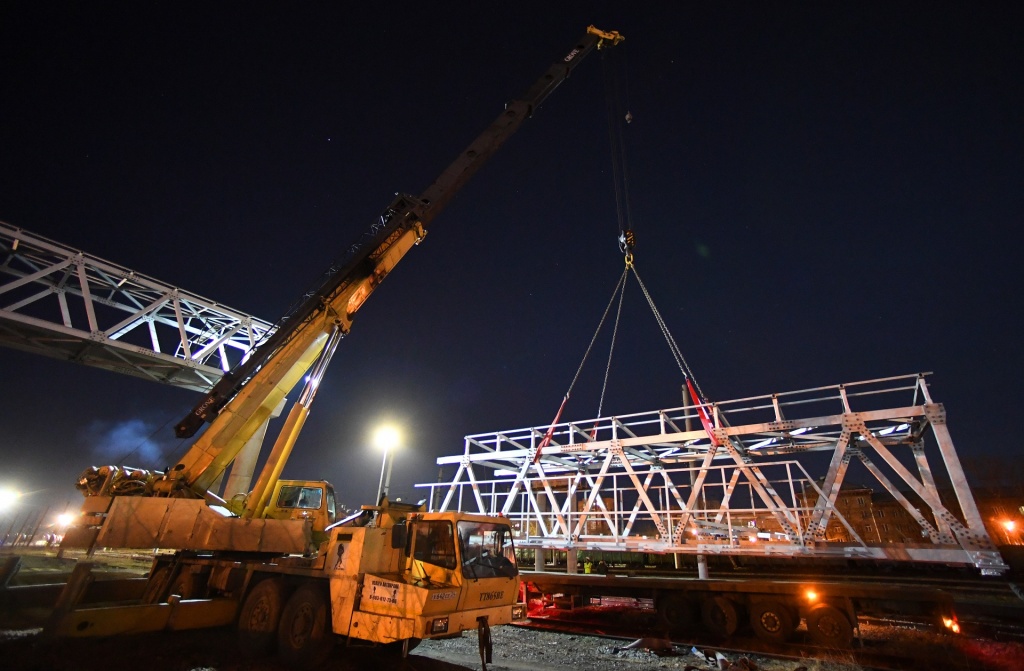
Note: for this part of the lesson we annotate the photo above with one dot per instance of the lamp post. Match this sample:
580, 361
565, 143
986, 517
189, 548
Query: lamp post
8, 500
387, 439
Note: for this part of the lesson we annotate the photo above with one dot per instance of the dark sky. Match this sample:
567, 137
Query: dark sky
821, 192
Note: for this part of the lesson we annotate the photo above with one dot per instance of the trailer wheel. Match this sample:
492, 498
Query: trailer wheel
829, 626
304, 637
772, 620
258, 619
720, 616
676, 612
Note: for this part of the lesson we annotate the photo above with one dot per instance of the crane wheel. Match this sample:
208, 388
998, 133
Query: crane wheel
156, 586
720, 616
772, 620
187, 585
304, 636
829, 626
259, 617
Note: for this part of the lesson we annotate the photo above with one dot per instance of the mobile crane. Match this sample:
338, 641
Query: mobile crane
278, 561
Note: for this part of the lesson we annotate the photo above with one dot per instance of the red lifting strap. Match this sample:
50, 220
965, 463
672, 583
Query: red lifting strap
703, 412
551, 430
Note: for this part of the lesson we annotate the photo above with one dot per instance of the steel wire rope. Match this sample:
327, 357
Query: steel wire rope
677, 354
619, 286
616, 141
611, 348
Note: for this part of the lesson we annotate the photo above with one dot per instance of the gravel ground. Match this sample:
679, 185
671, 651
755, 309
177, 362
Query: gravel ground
515, 649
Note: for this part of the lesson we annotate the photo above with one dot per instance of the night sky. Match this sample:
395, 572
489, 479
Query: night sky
821, 193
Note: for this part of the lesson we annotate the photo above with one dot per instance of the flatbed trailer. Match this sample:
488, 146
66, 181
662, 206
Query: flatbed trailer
773, 607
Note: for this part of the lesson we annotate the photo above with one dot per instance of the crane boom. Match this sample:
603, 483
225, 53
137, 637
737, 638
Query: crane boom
244, 398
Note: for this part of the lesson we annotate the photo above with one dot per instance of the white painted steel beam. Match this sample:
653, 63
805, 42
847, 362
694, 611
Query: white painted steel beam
63, 303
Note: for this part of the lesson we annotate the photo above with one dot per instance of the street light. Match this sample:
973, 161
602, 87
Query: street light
8, 498
386, 438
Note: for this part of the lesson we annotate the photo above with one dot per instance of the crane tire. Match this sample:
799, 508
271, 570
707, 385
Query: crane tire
772, 620
156, 586
304, 635
187, 585
259, 617
829, 626
720, 616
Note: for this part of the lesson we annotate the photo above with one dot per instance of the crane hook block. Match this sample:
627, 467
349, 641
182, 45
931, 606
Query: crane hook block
627, 240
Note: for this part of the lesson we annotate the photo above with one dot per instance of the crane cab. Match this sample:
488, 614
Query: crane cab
303, 500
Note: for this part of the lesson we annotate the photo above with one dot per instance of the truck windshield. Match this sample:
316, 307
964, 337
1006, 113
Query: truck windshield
294, 496
434, 543
487, 550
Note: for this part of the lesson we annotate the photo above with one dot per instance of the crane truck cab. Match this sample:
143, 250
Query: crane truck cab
410, 575
311, 500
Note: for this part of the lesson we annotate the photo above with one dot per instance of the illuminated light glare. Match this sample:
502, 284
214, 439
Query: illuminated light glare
799, 431
386, 437
1009, 525
64, 519
8, 497
811, 595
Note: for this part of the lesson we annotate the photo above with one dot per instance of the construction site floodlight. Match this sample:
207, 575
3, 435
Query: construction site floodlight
8, 498
387, 437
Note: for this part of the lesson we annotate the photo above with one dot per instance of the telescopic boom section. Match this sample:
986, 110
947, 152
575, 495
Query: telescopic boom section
246, 397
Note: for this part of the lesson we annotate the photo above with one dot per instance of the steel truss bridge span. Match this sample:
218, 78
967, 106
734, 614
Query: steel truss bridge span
66, 304
765, 478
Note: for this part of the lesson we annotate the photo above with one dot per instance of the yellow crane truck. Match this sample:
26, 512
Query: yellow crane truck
277, 561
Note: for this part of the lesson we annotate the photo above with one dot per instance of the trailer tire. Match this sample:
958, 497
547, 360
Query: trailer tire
304, 636
829, 626
259, 617
772, 620
720, 616
676, 612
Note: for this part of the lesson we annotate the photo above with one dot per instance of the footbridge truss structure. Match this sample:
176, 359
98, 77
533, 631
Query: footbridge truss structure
765, 479
63, 303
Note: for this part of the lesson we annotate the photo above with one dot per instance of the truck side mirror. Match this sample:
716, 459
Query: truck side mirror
399, 535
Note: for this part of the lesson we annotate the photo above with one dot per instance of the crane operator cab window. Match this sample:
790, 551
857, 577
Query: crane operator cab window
487, 550
434, 543
294, 496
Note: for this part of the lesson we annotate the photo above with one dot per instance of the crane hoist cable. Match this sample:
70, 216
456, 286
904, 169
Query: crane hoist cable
619, 289
626, 243
617, 114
